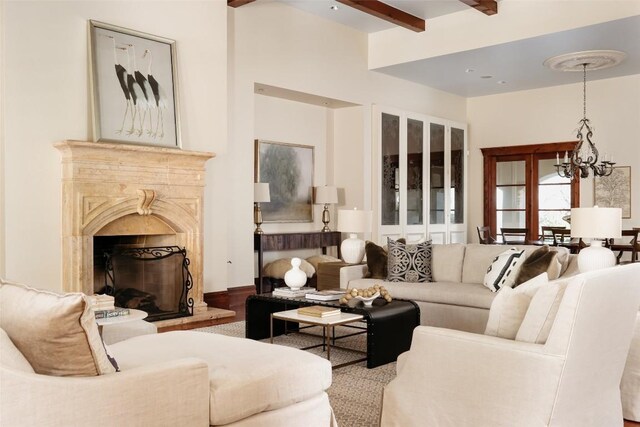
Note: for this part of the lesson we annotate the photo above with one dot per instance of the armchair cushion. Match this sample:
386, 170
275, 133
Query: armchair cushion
510, 307
61, 336
541, 313
11, 356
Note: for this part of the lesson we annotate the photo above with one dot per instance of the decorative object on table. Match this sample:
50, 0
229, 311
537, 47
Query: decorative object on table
326, 196
134, 86
295, 278
597, 224
288, 168
285, 292
614, 191
107, 314
326, 295
585, 156
409, 262
353, 221
367, 295
260, 195
319, 311
504, 269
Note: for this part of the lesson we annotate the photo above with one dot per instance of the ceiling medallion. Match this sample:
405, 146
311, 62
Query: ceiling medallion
584, 157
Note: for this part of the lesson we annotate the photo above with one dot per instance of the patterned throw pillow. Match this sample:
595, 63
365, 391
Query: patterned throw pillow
504, 269
409, 263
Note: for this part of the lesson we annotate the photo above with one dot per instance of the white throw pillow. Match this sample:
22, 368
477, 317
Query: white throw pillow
537, 323
510, 307
504, 269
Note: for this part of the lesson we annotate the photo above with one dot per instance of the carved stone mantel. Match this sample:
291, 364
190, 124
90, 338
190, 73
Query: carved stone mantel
106, 184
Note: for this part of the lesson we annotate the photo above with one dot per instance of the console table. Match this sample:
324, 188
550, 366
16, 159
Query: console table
289, 241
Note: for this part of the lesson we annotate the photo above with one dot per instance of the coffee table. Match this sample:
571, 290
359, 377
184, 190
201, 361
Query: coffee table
389, 325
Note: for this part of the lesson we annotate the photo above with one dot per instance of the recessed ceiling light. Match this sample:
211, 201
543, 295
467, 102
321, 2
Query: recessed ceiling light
333, 7
486, 77
502, 82
469, 70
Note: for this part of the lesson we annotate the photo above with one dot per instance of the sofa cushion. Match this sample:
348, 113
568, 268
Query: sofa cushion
510, 306
540, 261
239, 387
279, 267
503, 269
10, 356
57, 334
446, 262
538, 320
461, 294
409, 263
477, 259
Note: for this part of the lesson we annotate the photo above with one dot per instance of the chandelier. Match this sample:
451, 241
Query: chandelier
584, 158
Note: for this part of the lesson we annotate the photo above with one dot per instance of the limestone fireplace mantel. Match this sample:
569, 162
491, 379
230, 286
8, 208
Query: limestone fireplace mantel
128, 189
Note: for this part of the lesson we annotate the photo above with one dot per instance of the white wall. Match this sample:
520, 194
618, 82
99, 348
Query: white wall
47, 95
551, 115
281, 46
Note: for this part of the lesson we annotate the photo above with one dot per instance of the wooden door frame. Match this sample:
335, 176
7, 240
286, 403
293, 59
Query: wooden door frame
527, 152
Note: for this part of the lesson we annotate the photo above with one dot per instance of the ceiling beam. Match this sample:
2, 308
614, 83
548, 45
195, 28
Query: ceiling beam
388, 13
488, 7
238, 3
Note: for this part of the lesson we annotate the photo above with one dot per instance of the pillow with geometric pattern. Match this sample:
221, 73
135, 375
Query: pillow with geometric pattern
504, 269
409, 263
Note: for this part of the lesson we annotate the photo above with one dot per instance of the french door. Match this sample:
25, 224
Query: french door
523, 190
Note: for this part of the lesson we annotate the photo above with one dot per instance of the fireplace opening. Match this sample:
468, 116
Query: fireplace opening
154, 279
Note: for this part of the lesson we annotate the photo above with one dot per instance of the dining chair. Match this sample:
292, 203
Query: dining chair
484, 235
549, 234
628, 243
514, 236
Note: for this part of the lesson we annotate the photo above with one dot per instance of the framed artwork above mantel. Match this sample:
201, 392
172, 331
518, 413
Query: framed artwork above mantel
614, 191
288, 168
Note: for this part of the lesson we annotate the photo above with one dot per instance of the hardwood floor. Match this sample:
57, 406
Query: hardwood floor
630, 424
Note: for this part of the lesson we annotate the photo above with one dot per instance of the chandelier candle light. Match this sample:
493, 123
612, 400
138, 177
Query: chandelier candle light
326, 195
353, 221
584, 157
260, 195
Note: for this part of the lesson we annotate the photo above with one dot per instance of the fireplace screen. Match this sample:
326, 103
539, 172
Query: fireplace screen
153, 279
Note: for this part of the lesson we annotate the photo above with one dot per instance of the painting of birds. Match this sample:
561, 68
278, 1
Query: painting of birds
158, 95
137, 95
121, 75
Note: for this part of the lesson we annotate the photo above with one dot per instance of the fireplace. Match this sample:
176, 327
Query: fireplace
131, 196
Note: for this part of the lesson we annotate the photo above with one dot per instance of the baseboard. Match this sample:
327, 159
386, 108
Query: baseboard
231, 299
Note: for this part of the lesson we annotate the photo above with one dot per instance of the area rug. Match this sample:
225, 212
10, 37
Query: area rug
356, 391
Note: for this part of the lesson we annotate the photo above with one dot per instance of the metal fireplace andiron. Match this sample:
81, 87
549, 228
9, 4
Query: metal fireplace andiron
153, 279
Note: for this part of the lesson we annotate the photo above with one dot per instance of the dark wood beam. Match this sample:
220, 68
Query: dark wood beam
488, 7
388, 13
238, 3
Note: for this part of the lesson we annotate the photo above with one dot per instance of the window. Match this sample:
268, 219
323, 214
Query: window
523, 190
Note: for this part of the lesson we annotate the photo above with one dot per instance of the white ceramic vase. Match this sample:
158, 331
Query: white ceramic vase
295, 278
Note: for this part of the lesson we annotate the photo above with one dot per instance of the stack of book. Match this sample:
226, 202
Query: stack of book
328, 295
319, 311
291, 293
101, 302
116, 312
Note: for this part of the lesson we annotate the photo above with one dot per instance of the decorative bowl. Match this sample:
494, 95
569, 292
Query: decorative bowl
368, 301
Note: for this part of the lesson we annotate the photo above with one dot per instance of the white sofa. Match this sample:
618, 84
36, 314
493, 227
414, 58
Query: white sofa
181, 378
454, 378
456, 299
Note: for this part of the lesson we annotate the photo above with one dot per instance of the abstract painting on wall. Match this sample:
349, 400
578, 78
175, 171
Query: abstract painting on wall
133, 86
288, 168
614, 191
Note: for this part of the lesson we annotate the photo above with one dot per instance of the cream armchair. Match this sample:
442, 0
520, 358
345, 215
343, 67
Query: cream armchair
454, 378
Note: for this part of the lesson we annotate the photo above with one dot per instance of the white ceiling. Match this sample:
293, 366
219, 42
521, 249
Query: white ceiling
518, 64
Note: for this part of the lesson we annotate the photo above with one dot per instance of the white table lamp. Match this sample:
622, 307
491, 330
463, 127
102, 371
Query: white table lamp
326, 195
260, 195
596, 223
353, 221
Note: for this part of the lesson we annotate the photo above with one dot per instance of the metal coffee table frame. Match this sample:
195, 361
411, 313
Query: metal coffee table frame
389, 325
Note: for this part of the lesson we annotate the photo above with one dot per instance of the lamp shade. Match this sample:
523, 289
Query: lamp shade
354, 221
596, 223
261, 192
326, 195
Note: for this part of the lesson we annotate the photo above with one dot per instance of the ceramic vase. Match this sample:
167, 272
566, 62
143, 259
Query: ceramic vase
295, 278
